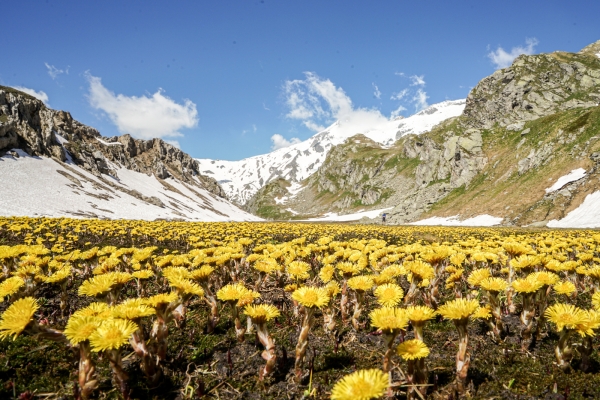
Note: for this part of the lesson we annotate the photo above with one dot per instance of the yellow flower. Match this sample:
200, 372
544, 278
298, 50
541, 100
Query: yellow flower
478, 275
17, 316
593, 322
595, 300
360, 283
389, 295
420, 269
186, 286
261, 313
143, 274
333, 288
389, 318
97, 285
59, 275
458, 308
412, 349
482, 313
132, 309
95, 309
160, 299
326, 273
545, 278
298, 270
526, 285
247, 297
10, 286
112, 334
564, 287
493, 284
566, 316
420, 313
266, 265
311, 296
361, 385
231, 292
349, 268
79, 328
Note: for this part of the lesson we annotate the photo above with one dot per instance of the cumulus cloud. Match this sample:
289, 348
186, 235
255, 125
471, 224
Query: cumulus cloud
417, 80
316, 101
54, 72
279, 142
377, 92
144, 117
502, 59
38, 95
174, 143
420, 100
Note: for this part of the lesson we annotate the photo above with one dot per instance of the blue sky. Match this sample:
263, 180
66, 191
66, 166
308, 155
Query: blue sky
232, 79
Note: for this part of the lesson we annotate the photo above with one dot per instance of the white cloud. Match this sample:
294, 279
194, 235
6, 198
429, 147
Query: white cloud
400, 95
38, 95
174, 143
54, 72
253, 128
377, 92
317, 101
397, 111
417, 80
420, 100
279, 142
144, 117
399, 73
502, 59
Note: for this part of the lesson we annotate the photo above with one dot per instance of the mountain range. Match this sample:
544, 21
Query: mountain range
523, 149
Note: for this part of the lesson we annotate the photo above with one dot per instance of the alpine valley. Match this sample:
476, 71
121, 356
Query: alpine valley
522, 150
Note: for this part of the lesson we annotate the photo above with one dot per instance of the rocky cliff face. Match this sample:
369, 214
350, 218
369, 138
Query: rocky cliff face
26, 123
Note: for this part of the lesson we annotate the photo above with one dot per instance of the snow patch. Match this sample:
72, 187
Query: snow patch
480, 220
331, 216
109, 143
572, 176
40, 186
587, 215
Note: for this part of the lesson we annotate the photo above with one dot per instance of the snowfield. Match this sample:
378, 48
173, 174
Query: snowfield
242, 179
350, 217
587, 215
480, 220
40, 186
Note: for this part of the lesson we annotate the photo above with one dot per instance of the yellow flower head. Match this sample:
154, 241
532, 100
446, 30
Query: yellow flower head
349, 268
132, 309
421, 270
526, 285
266, 265
186, 286
17, 316
482, 313
311, 296
333, 289
231, 292
420, 313
298, 270
364, 384
458, 308
564, 287
112, 334
326, 273
97, 285
247, 298
593, 322
478, 275
79, 328
360, 283
389, 295
143, 274
160, 299
412, 349
595, 300
545, 278
566, 316
95, 309
389, 318
259, 314
10, 286
493, 284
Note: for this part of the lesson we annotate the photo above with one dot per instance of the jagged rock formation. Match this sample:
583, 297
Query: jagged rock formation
25, 122
118, 177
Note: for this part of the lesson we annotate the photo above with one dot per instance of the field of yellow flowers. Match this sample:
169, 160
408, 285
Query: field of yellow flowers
172, 310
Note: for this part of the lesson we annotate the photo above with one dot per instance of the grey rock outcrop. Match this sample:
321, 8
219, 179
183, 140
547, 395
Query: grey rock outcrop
26, 123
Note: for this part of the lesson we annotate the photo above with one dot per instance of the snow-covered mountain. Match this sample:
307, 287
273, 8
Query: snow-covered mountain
242, 179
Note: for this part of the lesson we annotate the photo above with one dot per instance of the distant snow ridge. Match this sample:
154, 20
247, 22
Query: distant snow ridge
242, 179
